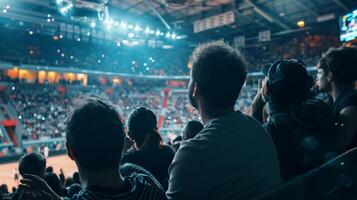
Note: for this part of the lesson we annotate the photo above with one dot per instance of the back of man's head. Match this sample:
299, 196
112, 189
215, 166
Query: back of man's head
32, 163
192, 129
219, 71
341, 62
95, 135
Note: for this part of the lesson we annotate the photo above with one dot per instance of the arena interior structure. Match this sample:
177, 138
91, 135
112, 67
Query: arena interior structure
54, 53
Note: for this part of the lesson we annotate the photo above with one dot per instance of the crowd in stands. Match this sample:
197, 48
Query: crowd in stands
107, 56
241, 150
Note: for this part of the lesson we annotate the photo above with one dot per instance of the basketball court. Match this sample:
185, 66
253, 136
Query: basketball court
7, 171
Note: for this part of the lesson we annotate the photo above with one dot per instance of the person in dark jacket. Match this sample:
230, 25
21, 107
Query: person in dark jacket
298, 123
150, 153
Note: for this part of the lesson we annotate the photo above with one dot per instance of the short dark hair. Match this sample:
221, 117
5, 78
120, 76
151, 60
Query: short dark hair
342, 63
192, 129
32, 163
219, 70
142, 121
96, 135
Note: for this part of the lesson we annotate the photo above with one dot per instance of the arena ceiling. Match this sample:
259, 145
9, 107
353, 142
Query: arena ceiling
251, 16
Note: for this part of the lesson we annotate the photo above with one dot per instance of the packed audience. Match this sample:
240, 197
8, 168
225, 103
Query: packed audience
287, 132
111, 56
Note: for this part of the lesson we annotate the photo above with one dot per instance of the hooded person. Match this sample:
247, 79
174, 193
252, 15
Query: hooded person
298, 123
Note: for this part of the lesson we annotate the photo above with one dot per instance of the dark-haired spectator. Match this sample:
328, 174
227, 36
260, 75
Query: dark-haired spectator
191, 129
151, 153
54, 182
49, 169
299, 124
337, 74
4, 190
32, 163
94, 140
233, 157
76, 178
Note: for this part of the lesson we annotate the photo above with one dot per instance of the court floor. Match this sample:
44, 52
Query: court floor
7, 171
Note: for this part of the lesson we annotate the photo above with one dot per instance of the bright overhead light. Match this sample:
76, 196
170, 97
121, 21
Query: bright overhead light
49, 15
158, 33
137, 28
131, 35
123, 24
147, 30
30, 32
7, 7
168, 34
130, 26
93, 24
4, 10
300, 23
173, 36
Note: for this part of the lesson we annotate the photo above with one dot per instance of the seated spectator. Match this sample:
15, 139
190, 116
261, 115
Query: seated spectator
54, 182
74, 190
32, 163
191, 129
76, 178
233, 157
337, 74
151, 153
300, 124
95, 138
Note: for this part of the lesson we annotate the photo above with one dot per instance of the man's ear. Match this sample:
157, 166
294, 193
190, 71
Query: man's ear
196, 90
70, 152
330, 76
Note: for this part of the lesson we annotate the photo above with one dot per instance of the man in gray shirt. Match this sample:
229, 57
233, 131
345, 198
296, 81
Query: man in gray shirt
233, 157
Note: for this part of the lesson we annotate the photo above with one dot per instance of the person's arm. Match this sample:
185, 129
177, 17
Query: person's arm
37, 184
186, 180
347, 130
130, 169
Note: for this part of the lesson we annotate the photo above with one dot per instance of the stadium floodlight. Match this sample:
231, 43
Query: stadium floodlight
88, 33
93, 24
158, 33
131, 35
59, 1
147, 30
130, 26
61, 36
49, 15
48, 20
123, 24
30, 32
137, 28
152, 32
7, 7
4, 10
173, 36
168, 34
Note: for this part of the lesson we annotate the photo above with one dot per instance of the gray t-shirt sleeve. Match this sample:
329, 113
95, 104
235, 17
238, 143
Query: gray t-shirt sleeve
185, 181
